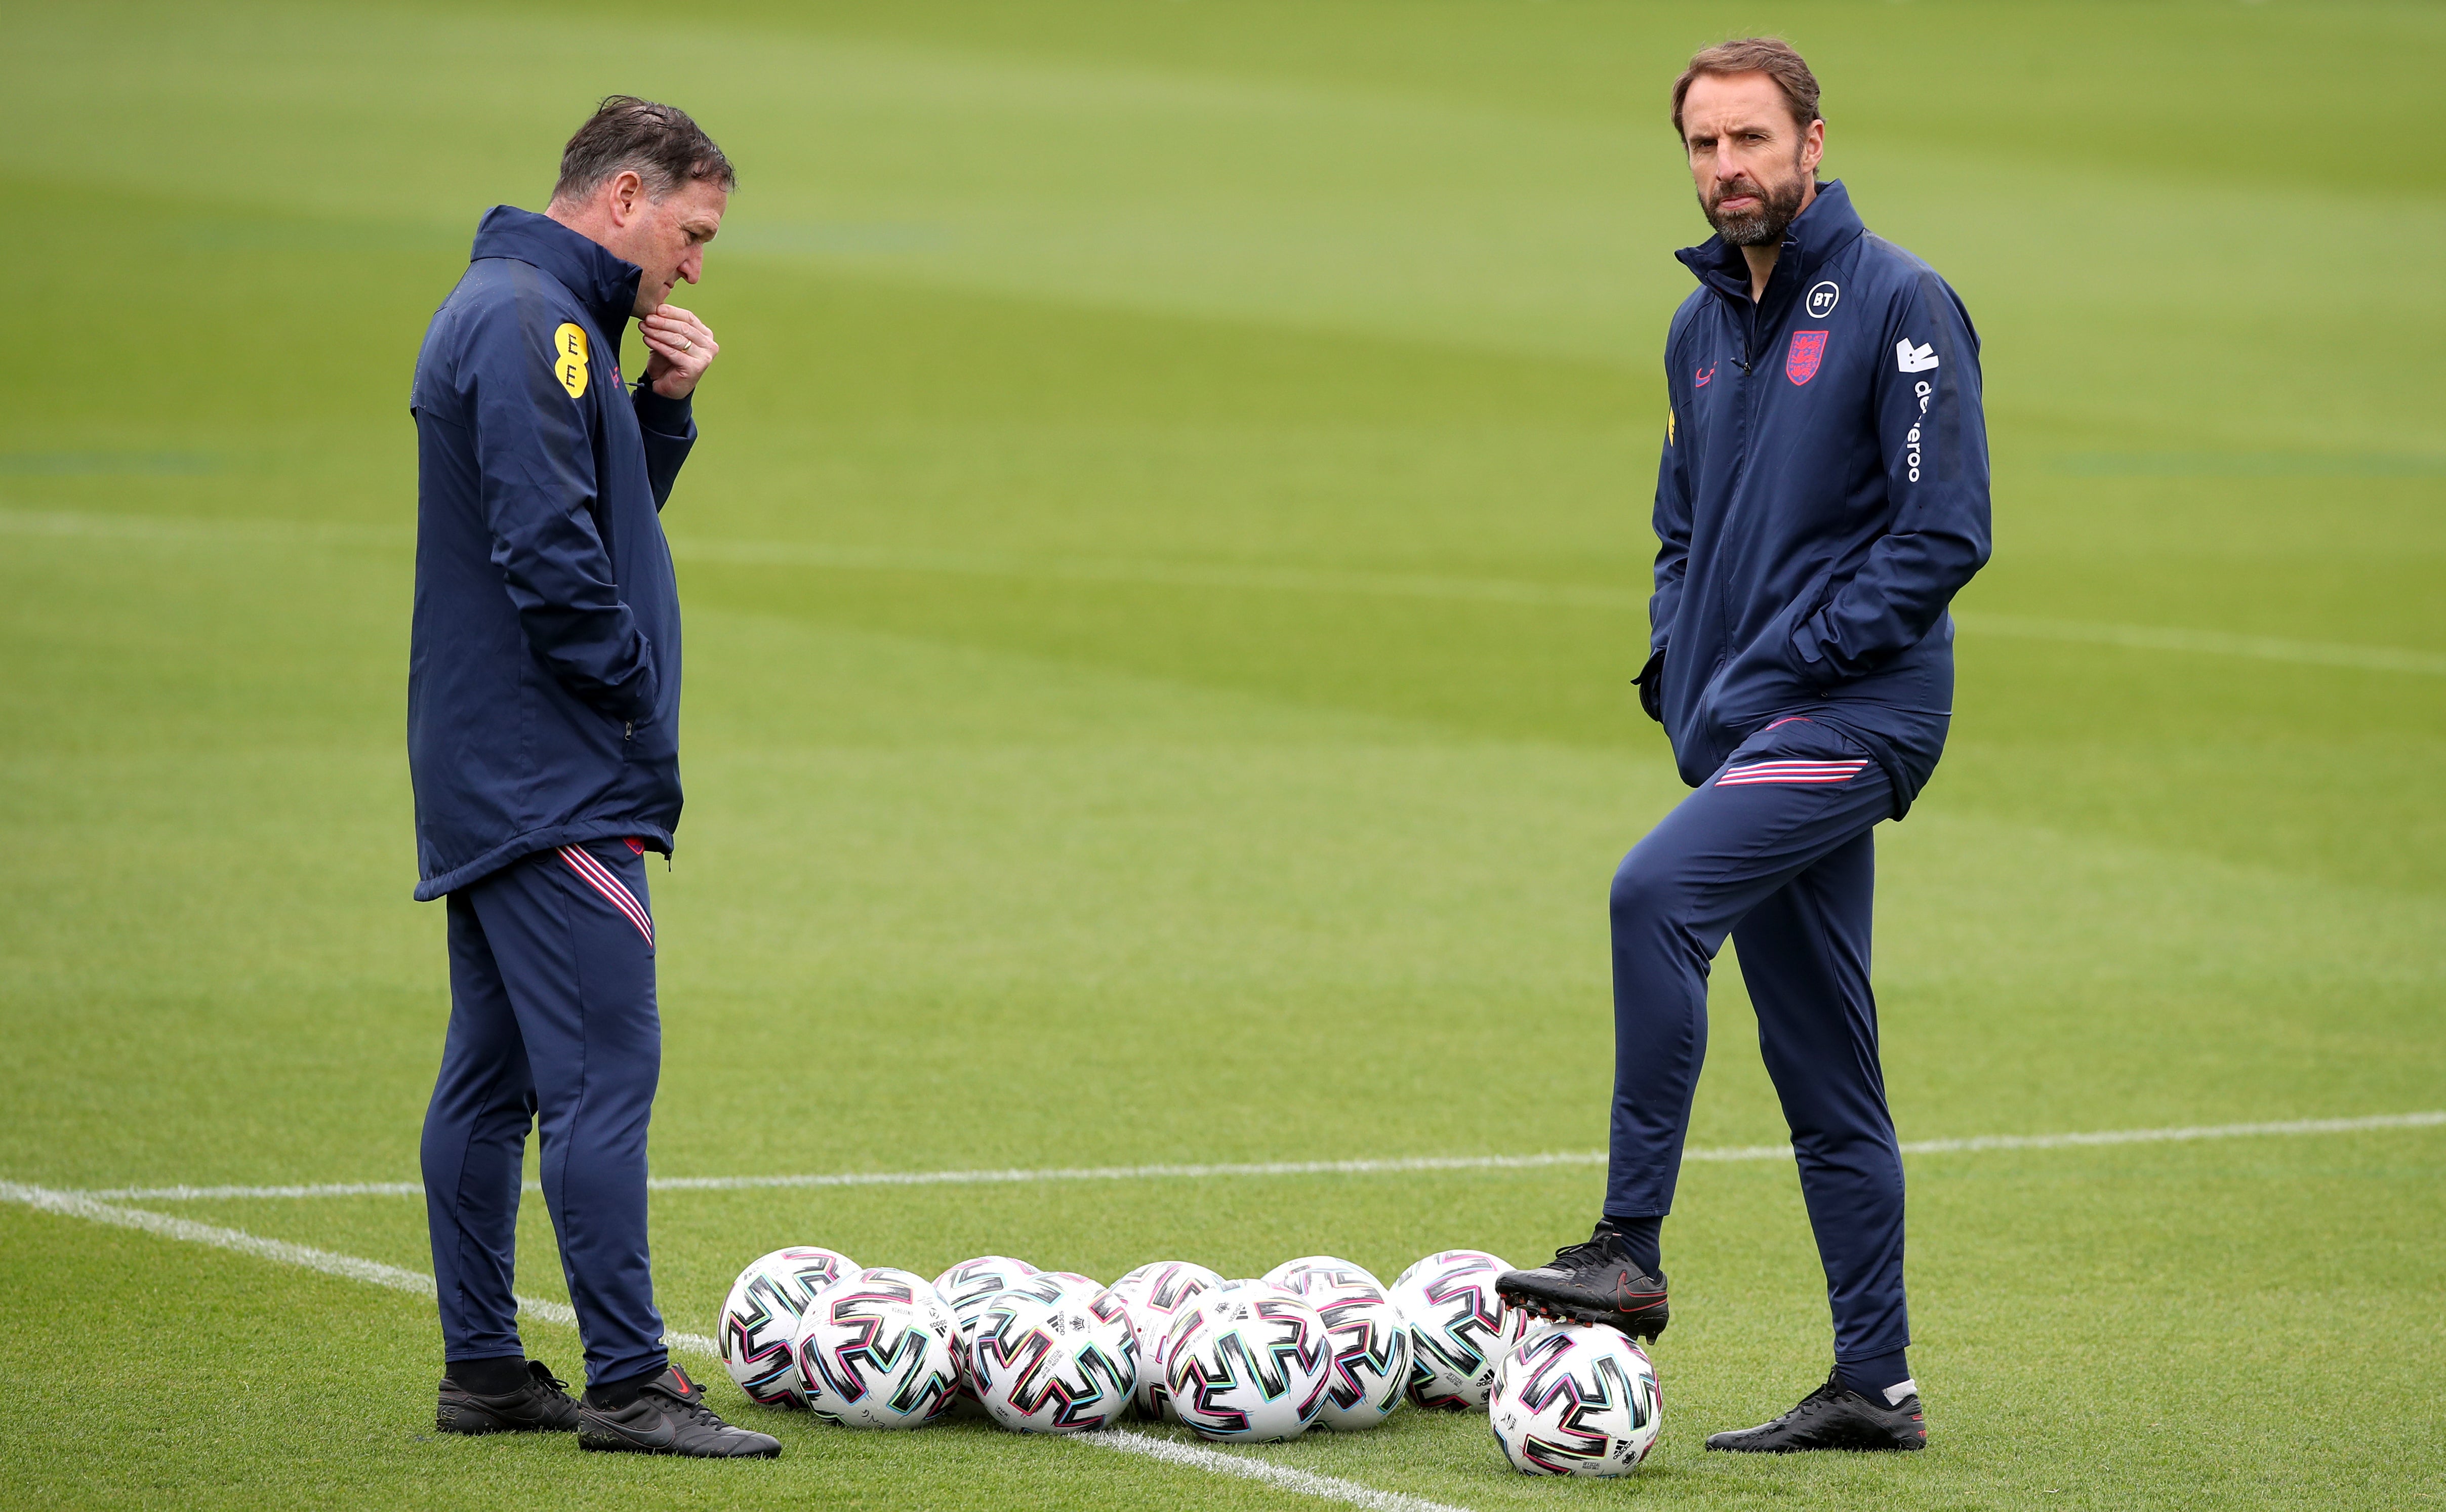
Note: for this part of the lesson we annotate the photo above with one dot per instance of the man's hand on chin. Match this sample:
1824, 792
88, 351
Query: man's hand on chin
679, 350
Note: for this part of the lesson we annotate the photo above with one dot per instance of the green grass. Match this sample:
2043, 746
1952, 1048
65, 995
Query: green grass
1163, 575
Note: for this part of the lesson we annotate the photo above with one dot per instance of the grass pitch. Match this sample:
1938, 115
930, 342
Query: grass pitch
1164, 570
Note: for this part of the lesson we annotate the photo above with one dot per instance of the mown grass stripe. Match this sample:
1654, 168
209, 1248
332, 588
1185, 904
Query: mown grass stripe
2210, 643
62, 524
1380, 1167
375, 1272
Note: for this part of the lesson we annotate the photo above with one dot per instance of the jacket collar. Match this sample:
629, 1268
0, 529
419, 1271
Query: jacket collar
606, 285
1828, 226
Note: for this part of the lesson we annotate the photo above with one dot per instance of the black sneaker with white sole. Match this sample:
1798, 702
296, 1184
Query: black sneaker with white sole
1593, 1283
541, 1405
670, 1417
1834, 1417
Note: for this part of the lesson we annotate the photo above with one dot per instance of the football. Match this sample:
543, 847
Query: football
762, 1315
879, 1350
1371, 1344
1049, 1357
1072, 1281
1576, 1399
1287, 1275
965, 1289
1156, 1293
965, 1286
1459, 1327
1248, 1363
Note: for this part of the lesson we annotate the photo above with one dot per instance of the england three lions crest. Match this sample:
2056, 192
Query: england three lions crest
1808, 351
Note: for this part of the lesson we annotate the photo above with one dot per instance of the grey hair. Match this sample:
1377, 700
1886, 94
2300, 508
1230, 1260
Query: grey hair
659, 144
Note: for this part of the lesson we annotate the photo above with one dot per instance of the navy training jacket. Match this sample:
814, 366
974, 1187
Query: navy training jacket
544, 680
1823, 497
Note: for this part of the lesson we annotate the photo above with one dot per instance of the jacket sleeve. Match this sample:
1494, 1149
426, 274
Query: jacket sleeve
669, 426
1672, 522
535, 462
1933, 432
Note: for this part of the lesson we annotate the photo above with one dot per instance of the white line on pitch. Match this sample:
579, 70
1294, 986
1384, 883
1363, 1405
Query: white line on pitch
79, 1204
1250, 577
1380, 1167
205, 1194
2155, 1136
1171, 1452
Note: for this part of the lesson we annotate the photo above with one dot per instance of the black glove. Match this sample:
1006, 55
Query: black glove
1650, 683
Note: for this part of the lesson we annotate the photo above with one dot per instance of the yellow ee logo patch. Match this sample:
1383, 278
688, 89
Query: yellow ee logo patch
569, 359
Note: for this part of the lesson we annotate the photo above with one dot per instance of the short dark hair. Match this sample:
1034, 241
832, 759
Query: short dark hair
1772, 56
657, 142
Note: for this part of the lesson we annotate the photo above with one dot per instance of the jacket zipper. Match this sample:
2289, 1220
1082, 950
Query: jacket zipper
1740, 472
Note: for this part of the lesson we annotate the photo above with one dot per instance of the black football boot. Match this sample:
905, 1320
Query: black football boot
542, 1405
1594, 1282
1833, 1417
670, 1417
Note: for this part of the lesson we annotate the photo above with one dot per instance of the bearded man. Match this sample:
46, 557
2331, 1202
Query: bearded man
1823, 496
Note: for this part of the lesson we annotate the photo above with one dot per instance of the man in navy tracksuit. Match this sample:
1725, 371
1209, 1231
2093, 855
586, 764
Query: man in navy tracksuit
1823, 497
542, 735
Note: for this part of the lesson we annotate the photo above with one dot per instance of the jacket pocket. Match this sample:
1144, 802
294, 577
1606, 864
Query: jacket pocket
1821, 673
648, 740
1766, 676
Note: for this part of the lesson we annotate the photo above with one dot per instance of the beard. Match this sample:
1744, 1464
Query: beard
1761, 227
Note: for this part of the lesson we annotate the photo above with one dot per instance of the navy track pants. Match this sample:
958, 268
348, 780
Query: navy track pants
1773, 849
551, 1013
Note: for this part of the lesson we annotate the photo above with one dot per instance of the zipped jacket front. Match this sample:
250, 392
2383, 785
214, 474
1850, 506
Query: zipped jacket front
543, 685
1822, 497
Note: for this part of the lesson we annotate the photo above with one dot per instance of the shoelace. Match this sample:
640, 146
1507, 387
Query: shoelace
1833, 1389
696, 1412
1827, 1393
1799, 1408
544, 1377
1594, 1249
